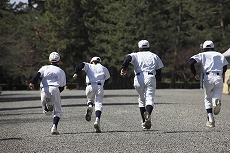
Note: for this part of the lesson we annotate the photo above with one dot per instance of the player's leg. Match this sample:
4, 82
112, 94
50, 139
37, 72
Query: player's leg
49, 102
150, 86
98, 108
150, 83
44, 96
217, 95
139, 87
208, 86
56, 99
90, 94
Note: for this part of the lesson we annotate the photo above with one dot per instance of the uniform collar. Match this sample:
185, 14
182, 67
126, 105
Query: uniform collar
55, 64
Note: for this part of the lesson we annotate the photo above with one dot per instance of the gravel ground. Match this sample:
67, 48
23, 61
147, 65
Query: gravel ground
178, 126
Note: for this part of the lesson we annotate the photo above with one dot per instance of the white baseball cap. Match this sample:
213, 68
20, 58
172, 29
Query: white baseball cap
96, 59
143, 44
208, 44
54, 57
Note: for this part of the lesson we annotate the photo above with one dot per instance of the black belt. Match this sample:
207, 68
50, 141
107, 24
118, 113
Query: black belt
49, 85
97, 83
149, 73
207, 73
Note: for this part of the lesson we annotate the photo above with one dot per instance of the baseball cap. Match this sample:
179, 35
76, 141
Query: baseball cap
54, 57
208, 44
96, 59
143, 44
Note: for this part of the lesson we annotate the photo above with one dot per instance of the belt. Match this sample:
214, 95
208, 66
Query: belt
207, 73
149, 73
48, 85
97, 83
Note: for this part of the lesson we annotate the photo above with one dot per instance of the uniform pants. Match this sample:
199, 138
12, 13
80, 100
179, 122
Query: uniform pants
213, 87
53, 93
95, 94
145, 86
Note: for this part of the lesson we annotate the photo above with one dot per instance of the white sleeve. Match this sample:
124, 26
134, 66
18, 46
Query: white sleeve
107, 74
159, 63
42, 70
225, 62
86, 66
63, 79
197, 57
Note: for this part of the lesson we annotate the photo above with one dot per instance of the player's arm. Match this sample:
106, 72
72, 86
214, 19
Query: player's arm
125, 65
77, 69
34, 80
158, 75
192, 68
106, 81
61, 89
225, 68
62, 82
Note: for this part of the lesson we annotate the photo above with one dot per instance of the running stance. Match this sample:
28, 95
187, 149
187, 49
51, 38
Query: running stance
146, 66
214, 65
52, 84
96, 75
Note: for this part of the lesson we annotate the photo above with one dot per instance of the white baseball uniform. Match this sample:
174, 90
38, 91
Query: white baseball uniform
53, 77
212, 67
145, 65
96, 74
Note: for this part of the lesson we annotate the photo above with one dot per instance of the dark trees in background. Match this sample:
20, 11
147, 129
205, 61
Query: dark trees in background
79, 30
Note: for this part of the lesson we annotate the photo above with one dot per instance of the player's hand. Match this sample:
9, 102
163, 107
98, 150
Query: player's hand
31, 86
75, 76
197, 77
123, 72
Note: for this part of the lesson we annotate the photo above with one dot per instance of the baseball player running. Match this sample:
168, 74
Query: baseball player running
52, 84
214, 65
96, 75
146, 66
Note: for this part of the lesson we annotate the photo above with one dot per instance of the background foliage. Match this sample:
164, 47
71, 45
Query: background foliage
81, 29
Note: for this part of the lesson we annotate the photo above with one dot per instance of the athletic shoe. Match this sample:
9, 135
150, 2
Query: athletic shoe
47, 113
143, 125
210, 124
97, 127
88, 113
147, 123
49, 104
216, 106
54, 131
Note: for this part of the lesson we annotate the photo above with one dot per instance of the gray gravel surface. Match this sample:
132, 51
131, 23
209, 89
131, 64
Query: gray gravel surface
178, 126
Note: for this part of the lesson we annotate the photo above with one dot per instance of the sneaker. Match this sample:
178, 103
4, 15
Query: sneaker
143, 125
210, 124
88, 113
216, 106
49, 104
97, 127
54, 131
47, 113
147, 123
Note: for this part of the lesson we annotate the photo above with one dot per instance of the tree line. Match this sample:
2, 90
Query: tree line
81, 29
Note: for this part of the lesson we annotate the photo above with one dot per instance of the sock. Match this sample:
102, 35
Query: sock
97, 119
90, 104
142, 111
55, 121
98, 114
149, 109
210, 115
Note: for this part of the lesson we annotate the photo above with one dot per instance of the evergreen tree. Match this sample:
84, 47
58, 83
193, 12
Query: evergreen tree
68, 35
22, 42
80, 29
